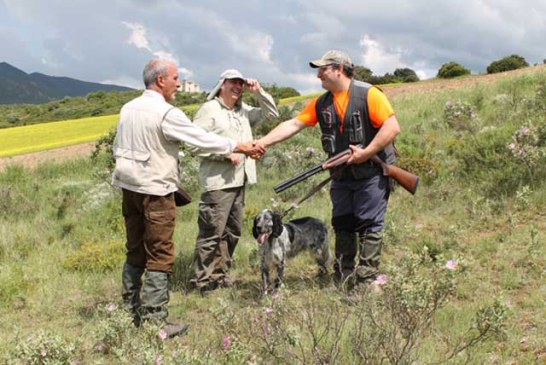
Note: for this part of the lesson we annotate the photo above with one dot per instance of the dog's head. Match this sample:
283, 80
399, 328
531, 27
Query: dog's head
266, 224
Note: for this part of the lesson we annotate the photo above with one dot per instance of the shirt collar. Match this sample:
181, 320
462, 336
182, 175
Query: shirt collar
153, 94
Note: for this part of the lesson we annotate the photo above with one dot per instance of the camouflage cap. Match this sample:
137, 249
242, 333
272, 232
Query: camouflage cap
331, 57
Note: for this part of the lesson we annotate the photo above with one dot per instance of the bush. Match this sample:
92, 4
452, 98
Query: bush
451, 70
508, 63
406, 75
96, 257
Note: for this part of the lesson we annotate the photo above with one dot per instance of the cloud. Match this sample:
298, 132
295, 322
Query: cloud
271, 41
138, 35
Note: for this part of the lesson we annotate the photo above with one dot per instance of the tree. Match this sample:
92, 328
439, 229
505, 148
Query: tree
364, 74
451, 70
406, 75
507, 63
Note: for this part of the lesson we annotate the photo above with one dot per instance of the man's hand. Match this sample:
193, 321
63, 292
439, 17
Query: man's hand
235, 158
253, 149
358, 155
252, 85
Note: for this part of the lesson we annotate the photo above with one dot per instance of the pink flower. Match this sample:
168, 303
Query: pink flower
43, 353
382, 279
100, 347
159, 359
268, 310
226, 343
512, 146
452, 264
111, 307
276, 295
162, 334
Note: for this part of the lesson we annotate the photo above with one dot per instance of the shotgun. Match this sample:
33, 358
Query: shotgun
406, 179
335, 160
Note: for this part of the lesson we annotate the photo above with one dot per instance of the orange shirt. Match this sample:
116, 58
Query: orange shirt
378, 105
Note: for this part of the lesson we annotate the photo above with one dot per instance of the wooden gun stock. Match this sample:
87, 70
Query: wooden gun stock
405, 178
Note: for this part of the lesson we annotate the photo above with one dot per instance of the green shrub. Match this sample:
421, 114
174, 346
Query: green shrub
508, 63
44, 348
451, 70
94, 256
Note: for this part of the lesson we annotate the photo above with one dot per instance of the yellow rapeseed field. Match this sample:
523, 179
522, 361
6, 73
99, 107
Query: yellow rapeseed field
45, 136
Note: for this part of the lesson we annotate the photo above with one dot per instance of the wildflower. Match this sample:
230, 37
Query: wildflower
43, 353
452, 264
111, 307
226, 343
268, 310
276, 295
158, 359
162, 334
382, 279
512, 146
100, 347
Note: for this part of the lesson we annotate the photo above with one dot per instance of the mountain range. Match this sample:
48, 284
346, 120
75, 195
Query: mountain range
18, 87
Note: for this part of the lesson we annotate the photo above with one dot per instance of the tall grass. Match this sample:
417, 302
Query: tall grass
463, 262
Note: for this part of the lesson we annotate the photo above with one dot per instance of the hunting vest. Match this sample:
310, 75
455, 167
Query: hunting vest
357, 129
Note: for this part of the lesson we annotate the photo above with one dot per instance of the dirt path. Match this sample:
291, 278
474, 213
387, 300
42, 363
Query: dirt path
33, 159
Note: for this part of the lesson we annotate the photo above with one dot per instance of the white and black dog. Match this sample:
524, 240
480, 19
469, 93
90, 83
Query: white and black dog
279, 241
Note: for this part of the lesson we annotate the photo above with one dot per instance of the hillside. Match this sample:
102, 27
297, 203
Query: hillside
428, 86
462, 267
18, 87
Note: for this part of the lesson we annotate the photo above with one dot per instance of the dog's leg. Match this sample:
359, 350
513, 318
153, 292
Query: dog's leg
265, 280
280, 275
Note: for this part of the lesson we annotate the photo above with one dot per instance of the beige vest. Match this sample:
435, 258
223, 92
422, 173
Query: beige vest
146, 162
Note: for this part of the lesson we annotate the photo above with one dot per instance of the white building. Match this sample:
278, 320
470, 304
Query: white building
189, 87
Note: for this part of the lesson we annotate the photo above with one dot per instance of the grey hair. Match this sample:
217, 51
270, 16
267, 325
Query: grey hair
155, 68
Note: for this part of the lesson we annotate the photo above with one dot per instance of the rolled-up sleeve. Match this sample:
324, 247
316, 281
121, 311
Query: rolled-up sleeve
177, 126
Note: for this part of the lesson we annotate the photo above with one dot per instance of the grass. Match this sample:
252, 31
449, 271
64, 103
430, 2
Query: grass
62, 234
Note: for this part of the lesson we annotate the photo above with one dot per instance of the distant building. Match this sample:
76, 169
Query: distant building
189, 87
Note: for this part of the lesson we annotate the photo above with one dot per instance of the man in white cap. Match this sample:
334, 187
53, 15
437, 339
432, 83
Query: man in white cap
223, 178
146, 150
351, 113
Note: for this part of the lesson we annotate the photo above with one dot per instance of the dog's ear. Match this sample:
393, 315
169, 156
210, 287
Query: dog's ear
277, 225
255, 232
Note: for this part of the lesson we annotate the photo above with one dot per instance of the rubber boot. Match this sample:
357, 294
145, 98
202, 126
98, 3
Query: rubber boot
131, 282
155, 297
345, 252
370, 254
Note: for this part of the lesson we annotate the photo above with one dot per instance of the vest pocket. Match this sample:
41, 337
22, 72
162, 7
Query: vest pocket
328, 143
355, 128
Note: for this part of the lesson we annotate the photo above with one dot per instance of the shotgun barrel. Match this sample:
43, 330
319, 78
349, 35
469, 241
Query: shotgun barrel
336, 160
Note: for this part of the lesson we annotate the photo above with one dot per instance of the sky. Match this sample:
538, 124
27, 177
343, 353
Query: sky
270, 40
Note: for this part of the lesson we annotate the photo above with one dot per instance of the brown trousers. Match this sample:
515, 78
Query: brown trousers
149, 225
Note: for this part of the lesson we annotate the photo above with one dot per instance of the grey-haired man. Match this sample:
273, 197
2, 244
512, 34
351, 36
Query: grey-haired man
146, 150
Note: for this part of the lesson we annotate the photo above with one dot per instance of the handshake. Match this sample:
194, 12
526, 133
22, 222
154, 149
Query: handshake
253, 149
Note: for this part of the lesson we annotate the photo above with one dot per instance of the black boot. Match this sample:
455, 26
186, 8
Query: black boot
345, 252
131, 280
